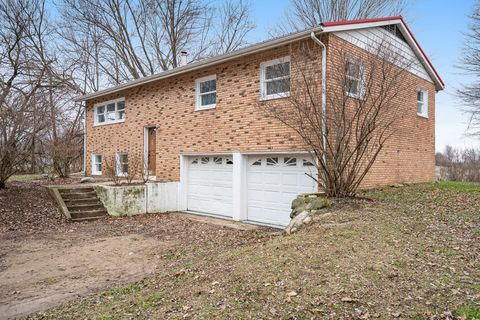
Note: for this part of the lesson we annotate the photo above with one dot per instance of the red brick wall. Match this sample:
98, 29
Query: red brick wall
238, 125
409, 155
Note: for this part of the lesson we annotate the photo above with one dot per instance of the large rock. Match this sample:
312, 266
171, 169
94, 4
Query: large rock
310, 202
87, 180
303, 208
297, 222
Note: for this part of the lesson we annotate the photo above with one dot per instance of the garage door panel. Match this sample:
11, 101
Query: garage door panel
272, 178
272, 188
209, 187
290, 179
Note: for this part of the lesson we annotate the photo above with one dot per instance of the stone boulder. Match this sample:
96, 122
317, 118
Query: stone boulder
87, 180
303, 208
309, 202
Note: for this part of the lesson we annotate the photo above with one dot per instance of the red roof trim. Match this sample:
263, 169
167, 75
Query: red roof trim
348, 22
421, 50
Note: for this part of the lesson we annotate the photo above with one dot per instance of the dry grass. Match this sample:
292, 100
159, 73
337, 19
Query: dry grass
412, 253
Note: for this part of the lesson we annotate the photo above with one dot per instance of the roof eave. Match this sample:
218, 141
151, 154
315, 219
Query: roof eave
203, 63
324, 27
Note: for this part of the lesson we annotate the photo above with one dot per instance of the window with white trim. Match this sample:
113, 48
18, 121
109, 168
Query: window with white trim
354, 79
96, 164
108, 112
206, 92
122, 164
422, 103
275, 78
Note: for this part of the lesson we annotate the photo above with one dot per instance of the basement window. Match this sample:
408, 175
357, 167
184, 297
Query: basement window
206, 91
109, 112
122, 164
275, 78
96, 164
422, 103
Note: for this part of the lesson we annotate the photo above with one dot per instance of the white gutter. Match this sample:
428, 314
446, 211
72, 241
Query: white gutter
324, 91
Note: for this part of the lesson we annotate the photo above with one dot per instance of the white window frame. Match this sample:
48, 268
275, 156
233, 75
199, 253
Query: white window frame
94, 164
105, 103
263, 80
118, 164
198, 94
361, 80
424, 103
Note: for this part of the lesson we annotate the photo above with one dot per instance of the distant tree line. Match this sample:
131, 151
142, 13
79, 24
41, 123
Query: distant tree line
458, 164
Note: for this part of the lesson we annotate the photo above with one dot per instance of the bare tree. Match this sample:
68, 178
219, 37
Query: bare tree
470, 64
363, 99
22, 83
234, 24
125, 39
305, 14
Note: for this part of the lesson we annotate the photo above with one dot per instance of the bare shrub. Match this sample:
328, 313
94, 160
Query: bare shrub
112, 169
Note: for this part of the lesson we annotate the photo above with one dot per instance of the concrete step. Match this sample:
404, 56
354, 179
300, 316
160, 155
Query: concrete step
87, 218
84, 207
90, 200
88, 214
75, 190
79, 195
79, 203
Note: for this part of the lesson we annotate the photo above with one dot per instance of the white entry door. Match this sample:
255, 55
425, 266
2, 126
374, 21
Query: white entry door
209, 187
273, 181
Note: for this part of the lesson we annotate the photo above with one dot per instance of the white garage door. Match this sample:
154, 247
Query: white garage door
273, 182
210, 185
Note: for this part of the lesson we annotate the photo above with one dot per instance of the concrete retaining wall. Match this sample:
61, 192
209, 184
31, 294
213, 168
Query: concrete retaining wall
148, 198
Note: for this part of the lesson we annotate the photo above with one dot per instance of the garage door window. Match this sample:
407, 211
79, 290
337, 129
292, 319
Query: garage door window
307, 163
290, 162
272, 161
257, 162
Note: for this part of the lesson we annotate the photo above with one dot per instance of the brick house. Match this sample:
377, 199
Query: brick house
199, 125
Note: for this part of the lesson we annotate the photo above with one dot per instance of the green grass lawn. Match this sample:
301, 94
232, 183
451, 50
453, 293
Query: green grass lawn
25, 177
411, 253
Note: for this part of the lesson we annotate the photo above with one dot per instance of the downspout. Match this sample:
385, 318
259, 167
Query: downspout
85, 141
324, 92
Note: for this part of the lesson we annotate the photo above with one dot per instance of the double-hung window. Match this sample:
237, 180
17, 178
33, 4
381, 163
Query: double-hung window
110, 112
122, 164
96, 164
422, 103
206, 92
354, 79
275, 78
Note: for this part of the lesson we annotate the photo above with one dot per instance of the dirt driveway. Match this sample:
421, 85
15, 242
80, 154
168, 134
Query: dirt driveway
46, 261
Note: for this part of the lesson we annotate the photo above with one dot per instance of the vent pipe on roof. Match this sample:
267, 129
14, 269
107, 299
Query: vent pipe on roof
183, 58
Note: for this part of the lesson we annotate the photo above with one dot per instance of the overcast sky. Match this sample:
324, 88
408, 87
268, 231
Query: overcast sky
438, 27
